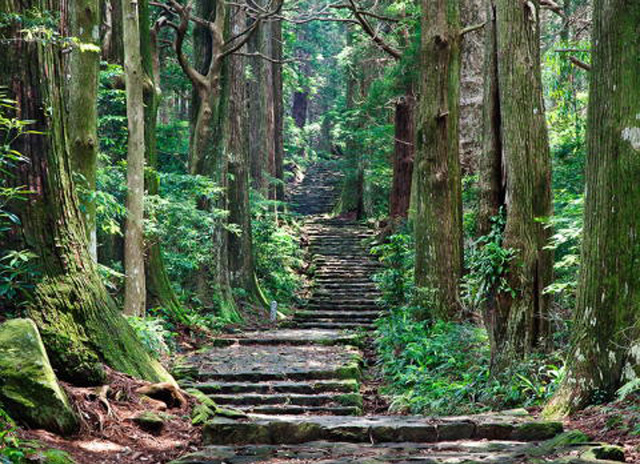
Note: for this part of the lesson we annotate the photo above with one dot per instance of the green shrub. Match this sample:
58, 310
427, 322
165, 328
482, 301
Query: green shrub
443, 369
153, 334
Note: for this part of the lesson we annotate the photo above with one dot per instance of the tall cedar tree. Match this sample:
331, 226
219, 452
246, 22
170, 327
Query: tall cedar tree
437, 183
159, 289
135, 284
241, 261
606, 337
516, 178
79, 322
84, 66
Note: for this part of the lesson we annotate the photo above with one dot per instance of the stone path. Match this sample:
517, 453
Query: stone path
300, 384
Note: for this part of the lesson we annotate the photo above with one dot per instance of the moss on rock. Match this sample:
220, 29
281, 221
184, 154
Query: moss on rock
29, 389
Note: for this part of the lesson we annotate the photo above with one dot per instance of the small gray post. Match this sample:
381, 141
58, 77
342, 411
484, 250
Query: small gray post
273, 313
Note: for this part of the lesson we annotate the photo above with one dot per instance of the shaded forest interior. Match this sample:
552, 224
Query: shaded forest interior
446, 191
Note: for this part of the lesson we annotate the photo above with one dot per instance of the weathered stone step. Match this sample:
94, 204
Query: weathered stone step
289, 337
290, 399
322, 452
261, 429
338, 315
342, 301
308, 387
345, 306
289, 410
345, 282
334, 325
257, 363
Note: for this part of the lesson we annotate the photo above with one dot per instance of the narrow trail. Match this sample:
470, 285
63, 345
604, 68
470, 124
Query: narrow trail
301, 383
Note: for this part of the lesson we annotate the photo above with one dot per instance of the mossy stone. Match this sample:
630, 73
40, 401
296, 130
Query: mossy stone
150, 421
558, 443
537, 431
607, 453
29, 389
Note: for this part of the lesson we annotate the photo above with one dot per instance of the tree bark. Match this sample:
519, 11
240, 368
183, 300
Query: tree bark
135, 285
112, 32
79, 323
400, 197
259, 111
606, 336
491, 176
159, 289
241, 262
278, 98
517, 150
438, 208
84, 66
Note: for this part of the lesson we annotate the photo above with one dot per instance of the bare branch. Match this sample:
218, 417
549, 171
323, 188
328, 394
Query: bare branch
552, 6
579, 63
366, 27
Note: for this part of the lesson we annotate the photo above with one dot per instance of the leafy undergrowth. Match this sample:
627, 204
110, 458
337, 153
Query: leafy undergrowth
617, 423
108, 431
443, 369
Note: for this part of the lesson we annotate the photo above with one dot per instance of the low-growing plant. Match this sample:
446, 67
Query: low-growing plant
488, 261
153, 334
443, 368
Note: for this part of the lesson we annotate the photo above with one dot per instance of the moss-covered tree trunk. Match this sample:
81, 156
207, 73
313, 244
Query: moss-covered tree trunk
438, 200
79, 322
84, 65
159, 289
516, 176
135, 285
606, 336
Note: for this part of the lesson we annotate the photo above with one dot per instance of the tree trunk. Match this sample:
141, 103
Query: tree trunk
606, 339
278, 98
517, 320
352, 194
84, 66
159, 289
241, 263
135, 287
403, 157
492, 178
258, 113
112, 32
79, 323
438, 208
208, 157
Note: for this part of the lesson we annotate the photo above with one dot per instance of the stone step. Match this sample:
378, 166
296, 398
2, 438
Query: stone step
289, 399
308, 387
289, 337
279, 430
258, 363
338, 315
323, 452
346, 301
288, 410
345, 306
334, 325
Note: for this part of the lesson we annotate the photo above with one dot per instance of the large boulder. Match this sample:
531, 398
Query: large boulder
29, 389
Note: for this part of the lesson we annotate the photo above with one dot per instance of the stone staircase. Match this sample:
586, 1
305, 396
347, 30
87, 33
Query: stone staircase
300, 384
344, 296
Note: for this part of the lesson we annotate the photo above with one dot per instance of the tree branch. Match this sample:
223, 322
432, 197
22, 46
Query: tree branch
473, 28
